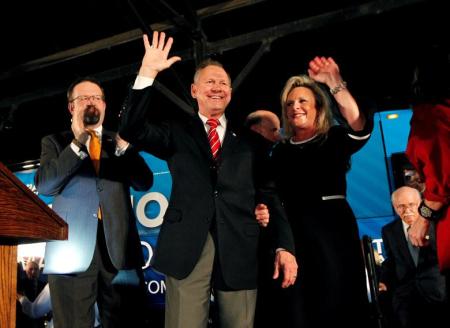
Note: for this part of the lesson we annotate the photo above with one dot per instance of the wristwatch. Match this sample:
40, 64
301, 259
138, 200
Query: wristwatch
428, 213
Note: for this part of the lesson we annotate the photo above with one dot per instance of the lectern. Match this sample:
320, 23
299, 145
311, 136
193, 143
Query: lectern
24, 218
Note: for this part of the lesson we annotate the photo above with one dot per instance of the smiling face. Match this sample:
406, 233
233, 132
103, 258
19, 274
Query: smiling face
305, 108
212, 90
301, 110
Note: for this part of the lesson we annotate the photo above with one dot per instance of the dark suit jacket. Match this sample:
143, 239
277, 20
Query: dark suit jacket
203, 192
400, 274
77, 194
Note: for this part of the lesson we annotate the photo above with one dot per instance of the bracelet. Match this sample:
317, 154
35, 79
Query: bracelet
77, 143
341, 86
428, 213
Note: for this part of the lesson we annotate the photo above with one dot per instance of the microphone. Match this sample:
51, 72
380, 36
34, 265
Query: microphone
91, 115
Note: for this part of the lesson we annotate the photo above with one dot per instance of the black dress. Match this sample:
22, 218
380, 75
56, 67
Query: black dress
331, 285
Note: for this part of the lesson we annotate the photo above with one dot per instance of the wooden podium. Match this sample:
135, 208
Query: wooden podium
24, 218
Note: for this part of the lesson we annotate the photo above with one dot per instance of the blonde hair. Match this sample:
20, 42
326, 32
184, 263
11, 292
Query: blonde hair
324, 116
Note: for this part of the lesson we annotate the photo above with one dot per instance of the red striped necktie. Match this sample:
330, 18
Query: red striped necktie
213, 137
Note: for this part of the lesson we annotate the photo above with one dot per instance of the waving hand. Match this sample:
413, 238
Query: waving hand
156, 55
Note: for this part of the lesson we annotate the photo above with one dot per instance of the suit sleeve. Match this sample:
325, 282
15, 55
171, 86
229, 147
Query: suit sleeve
134, 127
279, 228
57, 166
140, 176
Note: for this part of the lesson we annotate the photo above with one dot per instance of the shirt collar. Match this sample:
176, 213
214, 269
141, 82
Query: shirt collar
405, 228
291, 140
222, 120
98, 130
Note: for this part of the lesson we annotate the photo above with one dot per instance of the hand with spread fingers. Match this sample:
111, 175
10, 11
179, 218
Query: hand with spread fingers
156, 55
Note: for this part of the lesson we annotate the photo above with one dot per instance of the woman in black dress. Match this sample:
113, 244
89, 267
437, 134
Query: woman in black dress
310, 169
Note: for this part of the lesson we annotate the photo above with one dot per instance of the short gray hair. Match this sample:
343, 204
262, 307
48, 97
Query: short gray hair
209, 62
404, 188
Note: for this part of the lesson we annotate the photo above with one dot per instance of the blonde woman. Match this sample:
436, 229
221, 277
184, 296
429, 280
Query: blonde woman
310, 168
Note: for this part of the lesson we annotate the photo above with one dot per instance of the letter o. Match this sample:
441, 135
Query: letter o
140, 209
151, 288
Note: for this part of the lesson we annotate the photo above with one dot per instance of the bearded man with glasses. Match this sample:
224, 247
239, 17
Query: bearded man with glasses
89, 171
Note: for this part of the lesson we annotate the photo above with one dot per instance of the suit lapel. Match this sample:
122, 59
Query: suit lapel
230, 141
403, 243
426, 253
198, 132
108, 144
196, 129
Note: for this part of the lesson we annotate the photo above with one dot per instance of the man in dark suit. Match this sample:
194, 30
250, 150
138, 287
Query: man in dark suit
411, 274
209, 236
89, 172
267, 126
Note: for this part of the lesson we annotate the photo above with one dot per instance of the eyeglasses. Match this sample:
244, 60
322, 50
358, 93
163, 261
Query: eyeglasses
403, 207
95, 98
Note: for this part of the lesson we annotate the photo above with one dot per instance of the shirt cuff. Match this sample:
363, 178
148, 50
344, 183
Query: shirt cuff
142, 82
81, 154
120, 151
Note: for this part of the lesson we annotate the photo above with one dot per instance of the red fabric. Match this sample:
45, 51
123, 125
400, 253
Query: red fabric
213, 137
429, 151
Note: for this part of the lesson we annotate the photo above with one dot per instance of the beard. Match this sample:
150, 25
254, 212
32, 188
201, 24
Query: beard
91, 115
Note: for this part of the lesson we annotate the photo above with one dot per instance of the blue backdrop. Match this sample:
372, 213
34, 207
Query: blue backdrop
370, 184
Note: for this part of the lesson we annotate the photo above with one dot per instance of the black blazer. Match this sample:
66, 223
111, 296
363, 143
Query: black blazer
203, 192
400, 274
78, 191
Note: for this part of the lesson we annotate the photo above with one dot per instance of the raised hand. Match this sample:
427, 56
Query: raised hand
324, 70
77, 126
156, 55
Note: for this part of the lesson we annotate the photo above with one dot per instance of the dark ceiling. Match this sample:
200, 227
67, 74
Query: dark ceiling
47, 44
